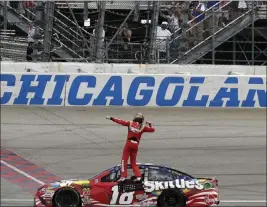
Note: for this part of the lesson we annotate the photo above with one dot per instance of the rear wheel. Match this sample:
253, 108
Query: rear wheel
66, 197
171, 198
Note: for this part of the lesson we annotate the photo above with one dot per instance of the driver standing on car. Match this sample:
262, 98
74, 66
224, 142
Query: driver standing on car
135, 130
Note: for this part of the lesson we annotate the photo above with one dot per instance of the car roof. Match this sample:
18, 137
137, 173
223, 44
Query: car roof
154, 165
116, 167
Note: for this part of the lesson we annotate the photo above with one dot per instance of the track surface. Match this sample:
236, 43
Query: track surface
80, 142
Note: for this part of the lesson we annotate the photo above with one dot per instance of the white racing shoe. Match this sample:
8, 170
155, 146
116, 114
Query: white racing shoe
137, 179
121, 179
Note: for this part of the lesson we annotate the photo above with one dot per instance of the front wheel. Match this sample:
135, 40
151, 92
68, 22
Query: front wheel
171, 198
66, 197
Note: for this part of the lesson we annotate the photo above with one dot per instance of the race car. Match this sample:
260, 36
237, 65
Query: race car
161, 186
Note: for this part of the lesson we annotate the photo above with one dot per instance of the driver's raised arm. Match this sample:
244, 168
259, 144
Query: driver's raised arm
149, 128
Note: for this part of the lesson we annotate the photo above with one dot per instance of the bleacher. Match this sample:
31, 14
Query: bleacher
72, 41
12, 47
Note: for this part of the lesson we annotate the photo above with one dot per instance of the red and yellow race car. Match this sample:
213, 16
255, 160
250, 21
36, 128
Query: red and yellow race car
160, 186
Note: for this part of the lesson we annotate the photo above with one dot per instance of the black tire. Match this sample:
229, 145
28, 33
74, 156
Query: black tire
171, 198
66, 197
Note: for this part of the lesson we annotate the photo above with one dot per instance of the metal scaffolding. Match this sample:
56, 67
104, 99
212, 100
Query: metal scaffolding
128, 32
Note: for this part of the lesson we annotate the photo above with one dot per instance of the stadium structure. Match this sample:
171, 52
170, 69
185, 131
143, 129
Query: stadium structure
224, 32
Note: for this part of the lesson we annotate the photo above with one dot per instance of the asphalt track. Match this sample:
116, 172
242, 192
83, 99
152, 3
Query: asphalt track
79, 142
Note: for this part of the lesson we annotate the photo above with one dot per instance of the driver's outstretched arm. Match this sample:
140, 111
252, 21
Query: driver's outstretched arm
119, 121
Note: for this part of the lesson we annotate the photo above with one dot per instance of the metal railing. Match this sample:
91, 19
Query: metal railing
12, 47
74, 37
194, 42
62, 35
59, 37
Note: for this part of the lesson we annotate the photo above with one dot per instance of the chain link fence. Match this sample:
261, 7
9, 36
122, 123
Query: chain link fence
132, 31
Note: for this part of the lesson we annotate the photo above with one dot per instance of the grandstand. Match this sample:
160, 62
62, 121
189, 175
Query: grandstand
224, 32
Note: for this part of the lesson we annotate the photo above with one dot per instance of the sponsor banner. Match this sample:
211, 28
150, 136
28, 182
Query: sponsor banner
133, 90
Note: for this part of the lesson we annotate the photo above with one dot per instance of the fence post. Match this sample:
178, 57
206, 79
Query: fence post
38, 23
99, 32
49, 19
153, 31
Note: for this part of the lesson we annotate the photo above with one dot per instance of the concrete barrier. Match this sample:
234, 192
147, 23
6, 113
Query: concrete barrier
157, 90
55, 67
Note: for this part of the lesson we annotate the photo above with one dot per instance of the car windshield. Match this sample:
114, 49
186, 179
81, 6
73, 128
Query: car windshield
110, 169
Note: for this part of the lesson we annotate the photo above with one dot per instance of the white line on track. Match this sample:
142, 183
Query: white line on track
222, 201
40, 182
23, 173
16, 200
243, 201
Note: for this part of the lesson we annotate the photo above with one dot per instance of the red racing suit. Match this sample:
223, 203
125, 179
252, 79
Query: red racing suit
135, 131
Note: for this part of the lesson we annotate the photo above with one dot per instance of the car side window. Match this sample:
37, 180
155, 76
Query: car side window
159, 174
112, 177
178, 174
130, 174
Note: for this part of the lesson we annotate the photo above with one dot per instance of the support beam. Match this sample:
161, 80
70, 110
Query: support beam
99, 32
253, 34
213, 36
38, 24
183, 40
49, 19
85, 11
5, 15
137, 12
153, 32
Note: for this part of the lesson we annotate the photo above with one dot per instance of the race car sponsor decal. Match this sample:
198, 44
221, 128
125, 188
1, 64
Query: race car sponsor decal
64, 183
141, 197
150, 186
86, 196
123, 199
210, 199
151, 202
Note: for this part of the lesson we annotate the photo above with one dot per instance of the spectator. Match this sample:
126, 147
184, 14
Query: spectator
21, 9
198, 14
224, 17
163, 36
31, 32
125, 34
173, 18
29, 5
242, 6
214, 16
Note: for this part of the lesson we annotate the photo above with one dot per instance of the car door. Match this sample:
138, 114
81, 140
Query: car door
105, 190
127, 198
103, 187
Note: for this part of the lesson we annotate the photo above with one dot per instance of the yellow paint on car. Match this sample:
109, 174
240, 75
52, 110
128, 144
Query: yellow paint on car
80, 182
